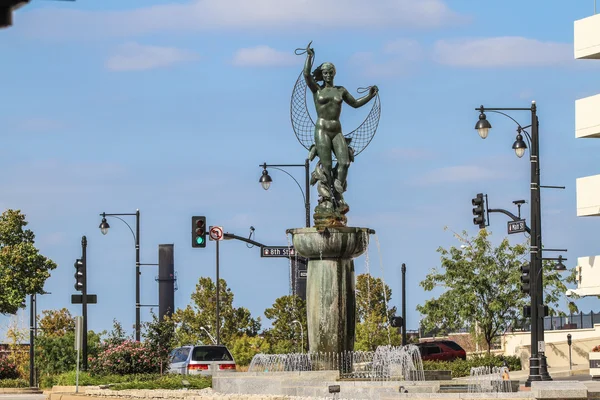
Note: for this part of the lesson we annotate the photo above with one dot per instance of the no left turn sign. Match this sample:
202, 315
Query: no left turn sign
216, 233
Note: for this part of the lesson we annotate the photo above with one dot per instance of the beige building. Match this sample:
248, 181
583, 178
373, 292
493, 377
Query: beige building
587, 126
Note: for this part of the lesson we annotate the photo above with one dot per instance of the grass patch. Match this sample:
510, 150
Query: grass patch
168, 382
14, 383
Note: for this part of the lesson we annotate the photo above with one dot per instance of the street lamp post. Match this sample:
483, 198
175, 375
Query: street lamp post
265, 180
301, 335
537, 362
104, 226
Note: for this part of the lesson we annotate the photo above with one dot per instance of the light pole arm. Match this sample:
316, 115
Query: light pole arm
125, 222
291, 176
306, 191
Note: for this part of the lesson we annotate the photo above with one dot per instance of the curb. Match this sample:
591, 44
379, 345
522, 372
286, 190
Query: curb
20, 391
78, 396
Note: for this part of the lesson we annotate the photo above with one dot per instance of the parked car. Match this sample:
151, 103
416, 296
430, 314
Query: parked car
201, 360
444, 350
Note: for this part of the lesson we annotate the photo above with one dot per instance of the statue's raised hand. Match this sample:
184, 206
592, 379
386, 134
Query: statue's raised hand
309, 50
374, 90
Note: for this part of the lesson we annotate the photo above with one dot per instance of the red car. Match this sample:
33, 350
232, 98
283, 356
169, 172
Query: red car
443, 350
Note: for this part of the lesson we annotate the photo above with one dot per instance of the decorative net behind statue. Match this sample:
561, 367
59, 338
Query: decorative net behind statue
304, 126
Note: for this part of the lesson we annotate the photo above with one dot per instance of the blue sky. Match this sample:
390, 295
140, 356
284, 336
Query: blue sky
170, 107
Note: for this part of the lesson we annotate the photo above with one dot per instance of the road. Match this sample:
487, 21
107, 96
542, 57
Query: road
22, 396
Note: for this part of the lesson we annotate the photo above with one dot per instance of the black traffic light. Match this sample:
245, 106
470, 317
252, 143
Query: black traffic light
525, 278
479, 210
198, 231
6, 11
79, 275
396, 322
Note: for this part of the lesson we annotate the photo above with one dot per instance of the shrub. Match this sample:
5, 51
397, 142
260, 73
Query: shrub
14, 383
461, 368
129, 357
8, 369
168, 382
137, 381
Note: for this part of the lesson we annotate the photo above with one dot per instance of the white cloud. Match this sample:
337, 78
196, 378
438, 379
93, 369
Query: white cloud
136, 57
204, 15
264, 56
457, 174
398, 57
508, 51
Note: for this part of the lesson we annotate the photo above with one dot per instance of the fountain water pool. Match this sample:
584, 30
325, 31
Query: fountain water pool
386, 363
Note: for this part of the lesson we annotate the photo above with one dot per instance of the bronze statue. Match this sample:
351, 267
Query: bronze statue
329, 141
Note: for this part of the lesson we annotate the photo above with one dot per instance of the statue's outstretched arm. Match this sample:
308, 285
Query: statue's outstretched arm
310, 80
352, 102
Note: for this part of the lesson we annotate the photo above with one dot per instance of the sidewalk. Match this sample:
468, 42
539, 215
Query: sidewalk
555, 372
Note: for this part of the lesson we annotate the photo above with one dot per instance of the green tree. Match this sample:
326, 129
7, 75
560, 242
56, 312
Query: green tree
371, 297
482, 287
373, 314
23, 270
54, 348
285, 336
376, 331
18, 355
56, 322
202, 314
245, 347
160, 337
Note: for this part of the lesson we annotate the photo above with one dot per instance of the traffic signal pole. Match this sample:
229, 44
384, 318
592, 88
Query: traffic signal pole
218, 309
84, 343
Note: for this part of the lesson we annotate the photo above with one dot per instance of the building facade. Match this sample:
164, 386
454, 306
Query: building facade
587, 127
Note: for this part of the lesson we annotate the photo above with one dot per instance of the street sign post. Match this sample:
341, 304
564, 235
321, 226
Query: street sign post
516, 226
215, 233
277, 251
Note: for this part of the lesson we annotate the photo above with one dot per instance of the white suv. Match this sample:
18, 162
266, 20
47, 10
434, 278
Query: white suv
201, 360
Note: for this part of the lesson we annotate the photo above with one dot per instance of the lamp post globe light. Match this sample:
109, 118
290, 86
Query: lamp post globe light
265, 180
538, 369
104, 227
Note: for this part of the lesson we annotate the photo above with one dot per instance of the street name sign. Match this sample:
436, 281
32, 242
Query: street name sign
277, 251
516, 226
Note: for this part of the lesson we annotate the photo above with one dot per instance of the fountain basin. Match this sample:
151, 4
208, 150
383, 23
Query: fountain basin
333, 242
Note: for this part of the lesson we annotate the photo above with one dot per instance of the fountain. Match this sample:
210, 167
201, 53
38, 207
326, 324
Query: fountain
330, 246
387, 363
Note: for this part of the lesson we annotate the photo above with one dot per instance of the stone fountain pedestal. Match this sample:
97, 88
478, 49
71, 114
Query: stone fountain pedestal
330, 290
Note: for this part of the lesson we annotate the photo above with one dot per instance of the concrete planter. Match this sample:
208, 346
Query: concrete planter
595, 365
